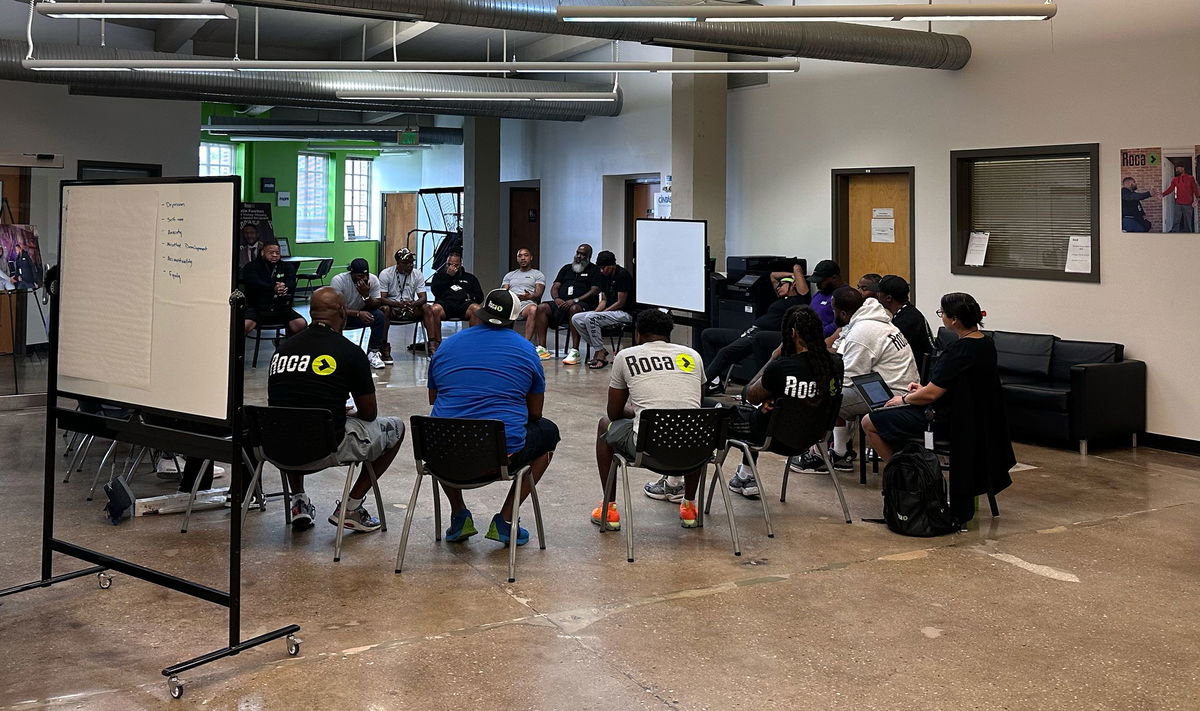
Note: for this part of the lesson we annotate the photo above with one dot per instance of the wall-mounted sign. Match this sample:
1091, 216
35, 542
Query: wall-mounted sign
266, 185
410, 138
283, 199
662, 205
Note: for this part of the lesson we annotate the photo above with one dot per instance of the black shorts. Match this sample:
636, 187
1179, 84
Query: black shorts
541, 436
267, 316
455, 309
897, 425
559, 316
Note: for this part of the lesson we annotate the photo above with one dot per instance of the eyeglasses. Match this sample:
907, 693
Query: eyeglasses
940, 313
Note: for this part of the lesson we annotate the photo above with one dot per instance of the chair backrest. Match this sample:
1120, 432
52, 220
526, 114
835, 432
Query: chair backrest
796, 425
680, 440
460, 451
291, 436
323, 267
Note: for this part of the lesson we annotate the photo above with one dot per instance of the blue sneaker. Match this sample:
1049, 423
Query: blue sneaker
501, 530
462, 527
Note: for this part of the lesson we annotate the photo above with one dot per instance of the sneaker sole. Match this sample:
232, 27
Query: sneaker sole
301, 523
355, 526
676, 498
460, 537
611, 525
693, 523
497, 538
750, 492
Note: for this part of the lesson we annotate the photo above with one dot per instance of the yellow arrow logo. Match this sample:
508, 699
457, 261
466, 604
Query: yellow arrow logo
324, 365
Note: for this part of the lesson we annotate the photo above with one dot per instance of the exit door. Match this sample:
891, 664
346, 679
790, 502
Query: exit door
873, 222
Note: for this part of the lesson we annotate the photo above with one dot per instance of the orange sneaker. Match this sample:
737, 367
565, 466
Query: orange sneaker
687, 514
614, 518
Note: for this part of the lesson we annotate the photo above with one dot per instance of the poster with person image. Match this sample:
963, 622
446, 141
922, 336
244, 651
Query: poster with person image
1159, 192
20, 258
254, 228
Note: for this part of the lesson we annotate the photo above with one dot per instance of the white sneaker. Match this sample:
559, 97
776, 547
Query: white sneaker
542, 353
572, 357
375, 359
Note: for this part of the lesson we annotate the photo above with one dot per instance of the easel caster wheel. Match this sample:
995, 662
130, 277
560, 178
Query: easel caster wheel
104, 580
293, 645
176, 687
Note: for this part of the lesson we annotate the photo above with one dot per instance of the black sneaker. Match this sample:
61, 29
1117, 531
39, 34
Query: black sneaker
811, 462
843, 462
711, 389
743, 482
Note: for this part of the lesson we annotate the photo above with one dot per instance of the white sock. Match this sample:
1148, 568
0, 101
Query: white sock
841, 438
674, 481
353, 503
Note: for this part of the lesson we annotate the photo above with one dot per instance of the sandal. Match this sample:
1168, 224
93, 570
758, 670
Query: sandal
597, 363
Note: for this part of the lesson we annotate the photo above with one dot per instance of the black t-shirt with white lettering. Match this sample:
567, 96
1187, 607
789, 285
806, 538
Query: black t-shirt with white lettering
318, 367
620, 281
795, 376
573, 286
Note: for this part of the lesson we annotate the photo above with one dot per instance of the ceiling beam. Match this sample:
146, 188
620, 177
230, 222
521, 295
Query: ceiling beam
171, 35
379, 37
557, 47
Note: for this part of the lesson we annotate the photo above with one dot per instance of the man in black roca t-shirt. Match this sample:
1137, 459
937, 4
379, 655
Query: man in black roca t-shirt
319, 368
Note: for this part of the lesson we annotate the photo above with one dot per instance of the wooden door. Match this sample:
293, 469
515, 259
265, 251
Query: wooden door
639, 204
399, 217
884, 247
524, 224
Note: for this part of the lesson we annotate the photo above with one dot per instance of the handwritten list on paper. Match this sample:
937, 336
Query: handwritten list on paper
106, 314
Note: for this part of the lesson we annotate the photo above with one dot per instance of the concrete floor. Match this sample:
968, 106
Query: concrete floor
1082, 595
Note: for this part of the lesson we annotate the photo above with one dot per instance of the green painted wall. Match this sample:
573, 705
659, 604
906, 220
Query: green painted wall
277, 159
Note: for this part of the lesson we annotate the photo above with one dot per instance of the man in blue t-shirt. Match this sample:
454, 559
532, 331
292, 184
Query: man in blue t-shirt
826, 277
491, 372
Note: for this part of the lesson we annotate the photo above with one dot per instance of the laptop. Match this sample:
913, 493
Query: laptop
875, 392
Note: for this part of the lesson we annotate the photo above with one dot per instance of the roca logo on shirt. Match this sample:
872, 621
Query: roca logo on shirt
645, 364
321, 365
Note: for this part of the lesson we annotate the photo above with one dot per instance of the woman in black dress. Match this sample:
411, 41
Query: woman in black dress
964, 390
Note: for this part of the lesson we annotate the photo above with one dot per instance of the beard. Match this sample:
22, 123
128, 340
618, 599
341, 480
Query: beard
577, 266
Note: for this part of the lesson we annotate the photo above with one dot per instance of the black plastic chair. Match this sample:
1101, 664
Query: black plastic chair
323, 268
294, 439
278, 331
466, 454
797, 439
674, 442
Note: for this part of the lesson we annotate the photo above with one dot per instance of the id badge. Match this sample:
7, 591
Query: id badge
571, 290
455, 287
928, 440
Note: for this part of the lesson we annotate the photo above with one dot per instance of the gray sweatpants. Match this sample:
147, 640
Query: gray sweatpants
589, 323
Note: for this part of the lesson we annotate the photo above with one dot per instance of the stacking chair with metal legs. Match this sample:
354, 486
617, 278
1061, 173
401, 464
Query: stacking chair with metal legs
466, 454
813, 428
293, 439
674, 442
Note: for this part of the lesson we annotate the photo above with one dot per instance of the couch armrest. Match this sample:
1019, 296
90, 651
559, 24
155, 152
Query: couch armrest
1108, 399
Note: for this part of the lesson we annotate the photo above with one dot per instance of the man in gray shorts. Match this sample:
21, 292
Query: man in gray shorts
655, 374
319, 368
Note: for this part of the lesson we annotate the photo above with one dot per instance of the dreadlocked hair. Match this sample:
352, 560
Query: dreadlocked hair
802, 321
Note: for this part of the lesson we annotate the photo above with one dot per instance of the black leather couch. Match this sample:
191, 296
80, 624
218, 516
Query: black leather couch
1061, 390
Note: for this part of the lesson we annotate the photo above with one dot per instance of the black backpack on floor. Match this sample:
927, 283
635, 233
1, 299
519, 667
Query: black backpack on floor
914, 494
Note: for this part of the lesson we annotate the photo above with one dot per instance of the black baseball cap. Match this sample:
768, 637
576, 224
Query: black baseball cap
825, 268
894, 286
500, 307
404, 254
606, 259
359, 266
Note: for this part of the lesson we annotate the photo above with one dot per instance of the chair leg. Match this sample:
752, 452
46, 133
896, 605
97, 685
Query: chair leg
609, 485
337, 544
733, 532
712, 489
537, 512
255, 485
862, 456
81, 451
514, 529
628, 524
762, 488
287, 498
437, 511
408, 517
103, 460
257, 342
1083, 447
187, 513
992, 503
700, 511
787, 468
837, 485
378, 495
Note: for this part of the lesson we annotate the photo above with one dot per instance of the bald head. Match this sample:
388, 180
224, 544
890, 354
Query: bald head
327, 306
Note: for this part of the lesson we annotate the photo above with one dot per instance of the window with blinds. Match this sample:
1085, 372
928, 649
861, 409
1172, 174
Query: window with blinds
312, 198
357, 222
1030, 202
217, 159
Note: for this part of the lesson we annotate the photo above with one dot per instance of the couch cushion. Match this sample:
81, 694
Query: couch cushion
1069, 353
1038, 397
1023, 353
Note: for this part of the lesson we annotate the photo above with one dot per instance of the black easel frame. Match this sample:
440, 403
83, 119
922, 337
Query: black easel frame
133, 431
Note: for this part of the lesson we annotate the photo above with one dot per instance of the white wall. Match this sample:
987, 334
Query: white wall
1109, 71
44, 118
572, 158
392, 173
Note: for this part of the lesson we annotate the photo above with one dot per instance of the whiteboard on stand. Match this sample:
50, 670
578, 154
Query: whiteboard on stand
146, 270
671, 264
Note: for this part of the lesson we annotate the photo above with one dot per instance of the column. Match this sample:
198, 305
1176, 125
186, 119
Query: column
698, 149
481, 200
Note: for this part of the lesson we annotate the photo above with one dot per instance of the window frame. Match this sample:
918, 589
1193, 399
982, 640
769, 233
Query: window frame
233, 167
960, 209
321, 195
348, 191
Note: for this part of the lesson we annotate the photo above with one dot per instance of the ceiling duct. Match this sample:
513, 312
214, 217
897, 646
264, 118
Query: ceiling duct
837, 41
301, 130
300, 89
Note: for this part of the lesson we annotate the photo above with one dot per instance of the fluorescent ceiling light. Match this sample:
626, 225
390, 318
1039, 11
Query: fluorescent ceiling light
251, 65
472, 96
809, 13
138, 10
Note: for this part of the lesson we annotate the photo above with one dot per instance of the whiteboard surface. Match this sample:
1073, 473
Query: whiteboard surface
145, 275
670, 263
